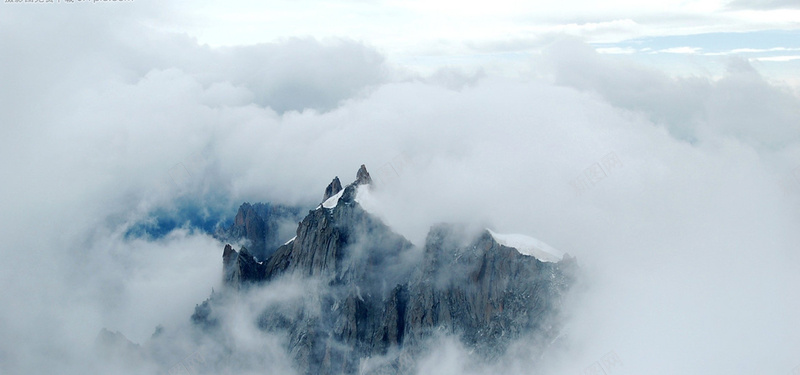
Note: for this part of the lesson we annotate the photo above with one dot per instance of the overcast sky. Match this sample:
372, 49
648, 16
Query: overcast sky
423, 34
658, 143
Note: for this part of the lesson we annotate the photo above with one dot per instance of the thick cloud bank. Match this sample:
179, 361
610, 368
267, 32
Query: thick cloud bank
679, 196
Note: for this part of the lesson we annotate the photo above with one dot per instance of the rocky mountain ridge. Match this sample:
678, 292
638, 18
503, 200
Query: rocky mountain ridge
381, 299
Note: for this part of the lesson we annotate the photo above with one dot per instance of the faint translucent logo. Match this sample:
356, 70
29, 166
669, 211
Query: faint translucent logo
596, 172
393, 170
184, 173
198, 363
791, 183
403, 364
607, 365
193, 364
795, 371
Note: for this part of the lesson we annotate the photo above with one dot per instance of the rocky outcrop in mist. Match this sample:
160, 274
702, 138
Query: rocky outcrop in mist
380, 299
261, 226
333, 188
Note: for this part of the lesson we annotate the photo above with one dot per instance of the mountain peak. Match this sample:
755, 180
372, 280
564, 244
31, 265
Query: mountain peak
363, 177
380, 296
333, 188
228, 251
334, 192
245, 209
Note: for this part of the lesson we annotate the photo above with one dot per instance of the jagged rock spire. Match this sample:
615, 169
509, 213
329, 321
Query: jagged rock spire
226, 254
250, 225
333, 188
362, 177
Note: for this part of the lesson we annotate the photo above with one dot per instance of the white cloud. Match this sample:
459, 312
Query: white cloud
689, 246
762, 50
740, 104
777, 58
616, 50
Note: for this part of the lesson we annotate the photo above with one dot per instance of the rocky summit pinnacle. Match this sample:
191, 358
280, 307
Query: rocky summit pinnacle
362, 177
228, 252
333, 188
373, 302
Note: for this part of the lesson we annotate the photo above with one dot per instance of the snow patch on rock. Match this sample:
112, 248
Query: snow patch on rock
333, 201
528, 246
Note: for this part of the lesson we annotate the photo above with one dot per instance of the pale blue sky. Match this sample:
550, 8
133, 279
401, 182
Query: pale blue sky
775, 53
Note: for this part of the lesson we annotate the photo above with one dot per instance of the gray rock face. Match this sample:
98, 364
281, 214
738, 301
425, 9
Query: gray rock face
343, 244
363, 177
250, 225
487, 293
383, 298
262, 226
240, 269
333, 188
116, 347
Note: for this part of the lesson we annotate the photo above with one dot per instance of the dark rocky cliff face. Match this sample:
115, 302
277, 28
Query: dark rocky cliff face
381, 299
262, 226
333, 188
